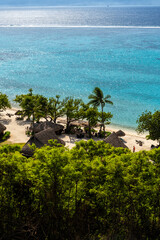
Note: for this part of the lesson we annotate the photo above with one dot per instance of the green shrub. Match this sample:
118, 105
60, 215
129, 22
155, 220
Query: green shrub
107, 134
28, 133
5, 136
10, 148
104, 134
93, 131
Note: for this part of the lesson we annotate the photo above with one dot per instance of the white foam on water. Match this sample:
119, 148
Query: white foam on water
78, 26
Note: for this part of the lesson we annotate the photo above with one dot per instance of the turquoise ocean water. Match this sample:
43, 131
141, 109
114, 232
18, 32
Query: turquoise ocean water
69, 51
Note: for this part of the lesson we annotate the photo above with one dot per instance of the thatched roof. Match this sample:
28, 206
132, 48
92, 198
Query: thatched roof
120, 133
82, 123
38, 127
46, 135
114, 140
40, 139
79, 123
2, 128
64, 121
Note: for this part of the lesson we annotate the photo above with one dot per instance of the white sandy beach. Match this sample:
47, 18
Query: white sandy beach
17, 129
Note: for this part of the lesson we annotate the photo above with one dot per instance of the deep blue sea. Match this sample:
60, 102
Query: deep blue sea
69, 51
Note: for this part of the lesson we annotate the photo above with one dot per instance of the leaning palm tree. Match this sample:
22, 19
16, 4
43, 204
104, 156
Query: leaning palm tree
98, 99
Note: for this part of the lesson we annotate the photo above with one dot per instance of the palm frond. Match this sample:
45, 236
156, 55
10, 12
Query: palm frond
92, 96
108, 101
94, 102
107, 96
98, 92
97, 98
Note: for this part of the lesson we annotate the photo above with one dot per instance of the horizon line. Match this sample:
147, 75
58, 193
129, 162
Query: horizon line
80, 26
61, 6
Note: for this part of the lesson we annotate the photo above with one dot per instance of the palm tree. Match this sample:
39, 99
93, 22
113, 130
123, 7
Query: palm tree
98, 99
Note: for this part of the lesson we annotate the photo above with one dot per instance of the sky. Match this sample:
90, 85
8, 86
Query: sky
77, 2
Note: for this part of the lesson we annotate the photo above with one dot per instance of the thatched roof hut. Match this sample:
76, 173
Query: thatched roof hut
82, 123
120, 133
79, 123
40, 139
115, 141
38, 127
2, 128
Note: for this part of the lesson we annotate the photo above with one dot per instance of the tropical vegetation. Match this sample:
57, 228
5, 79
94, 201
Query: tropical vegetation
98, 99
4, 102
35, 107
150, 122
93, 191
55, 108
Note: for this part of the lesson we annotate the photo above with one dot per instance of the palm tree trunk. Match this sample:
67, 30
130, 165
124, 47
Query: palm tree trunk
33, 120
68, 125
89, 129
103, 119
55, 117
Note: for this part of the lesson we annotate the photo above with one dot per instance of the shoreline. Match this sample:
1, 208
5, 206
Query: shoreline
130, 131
17, 129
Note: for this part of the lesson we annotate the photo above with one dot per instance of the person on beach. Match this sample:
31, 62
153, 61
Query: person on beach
134, 148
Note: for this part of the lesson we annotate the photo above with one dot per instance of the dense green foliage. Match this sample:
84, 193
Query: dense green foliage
4, 102
151, 123
93, 191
